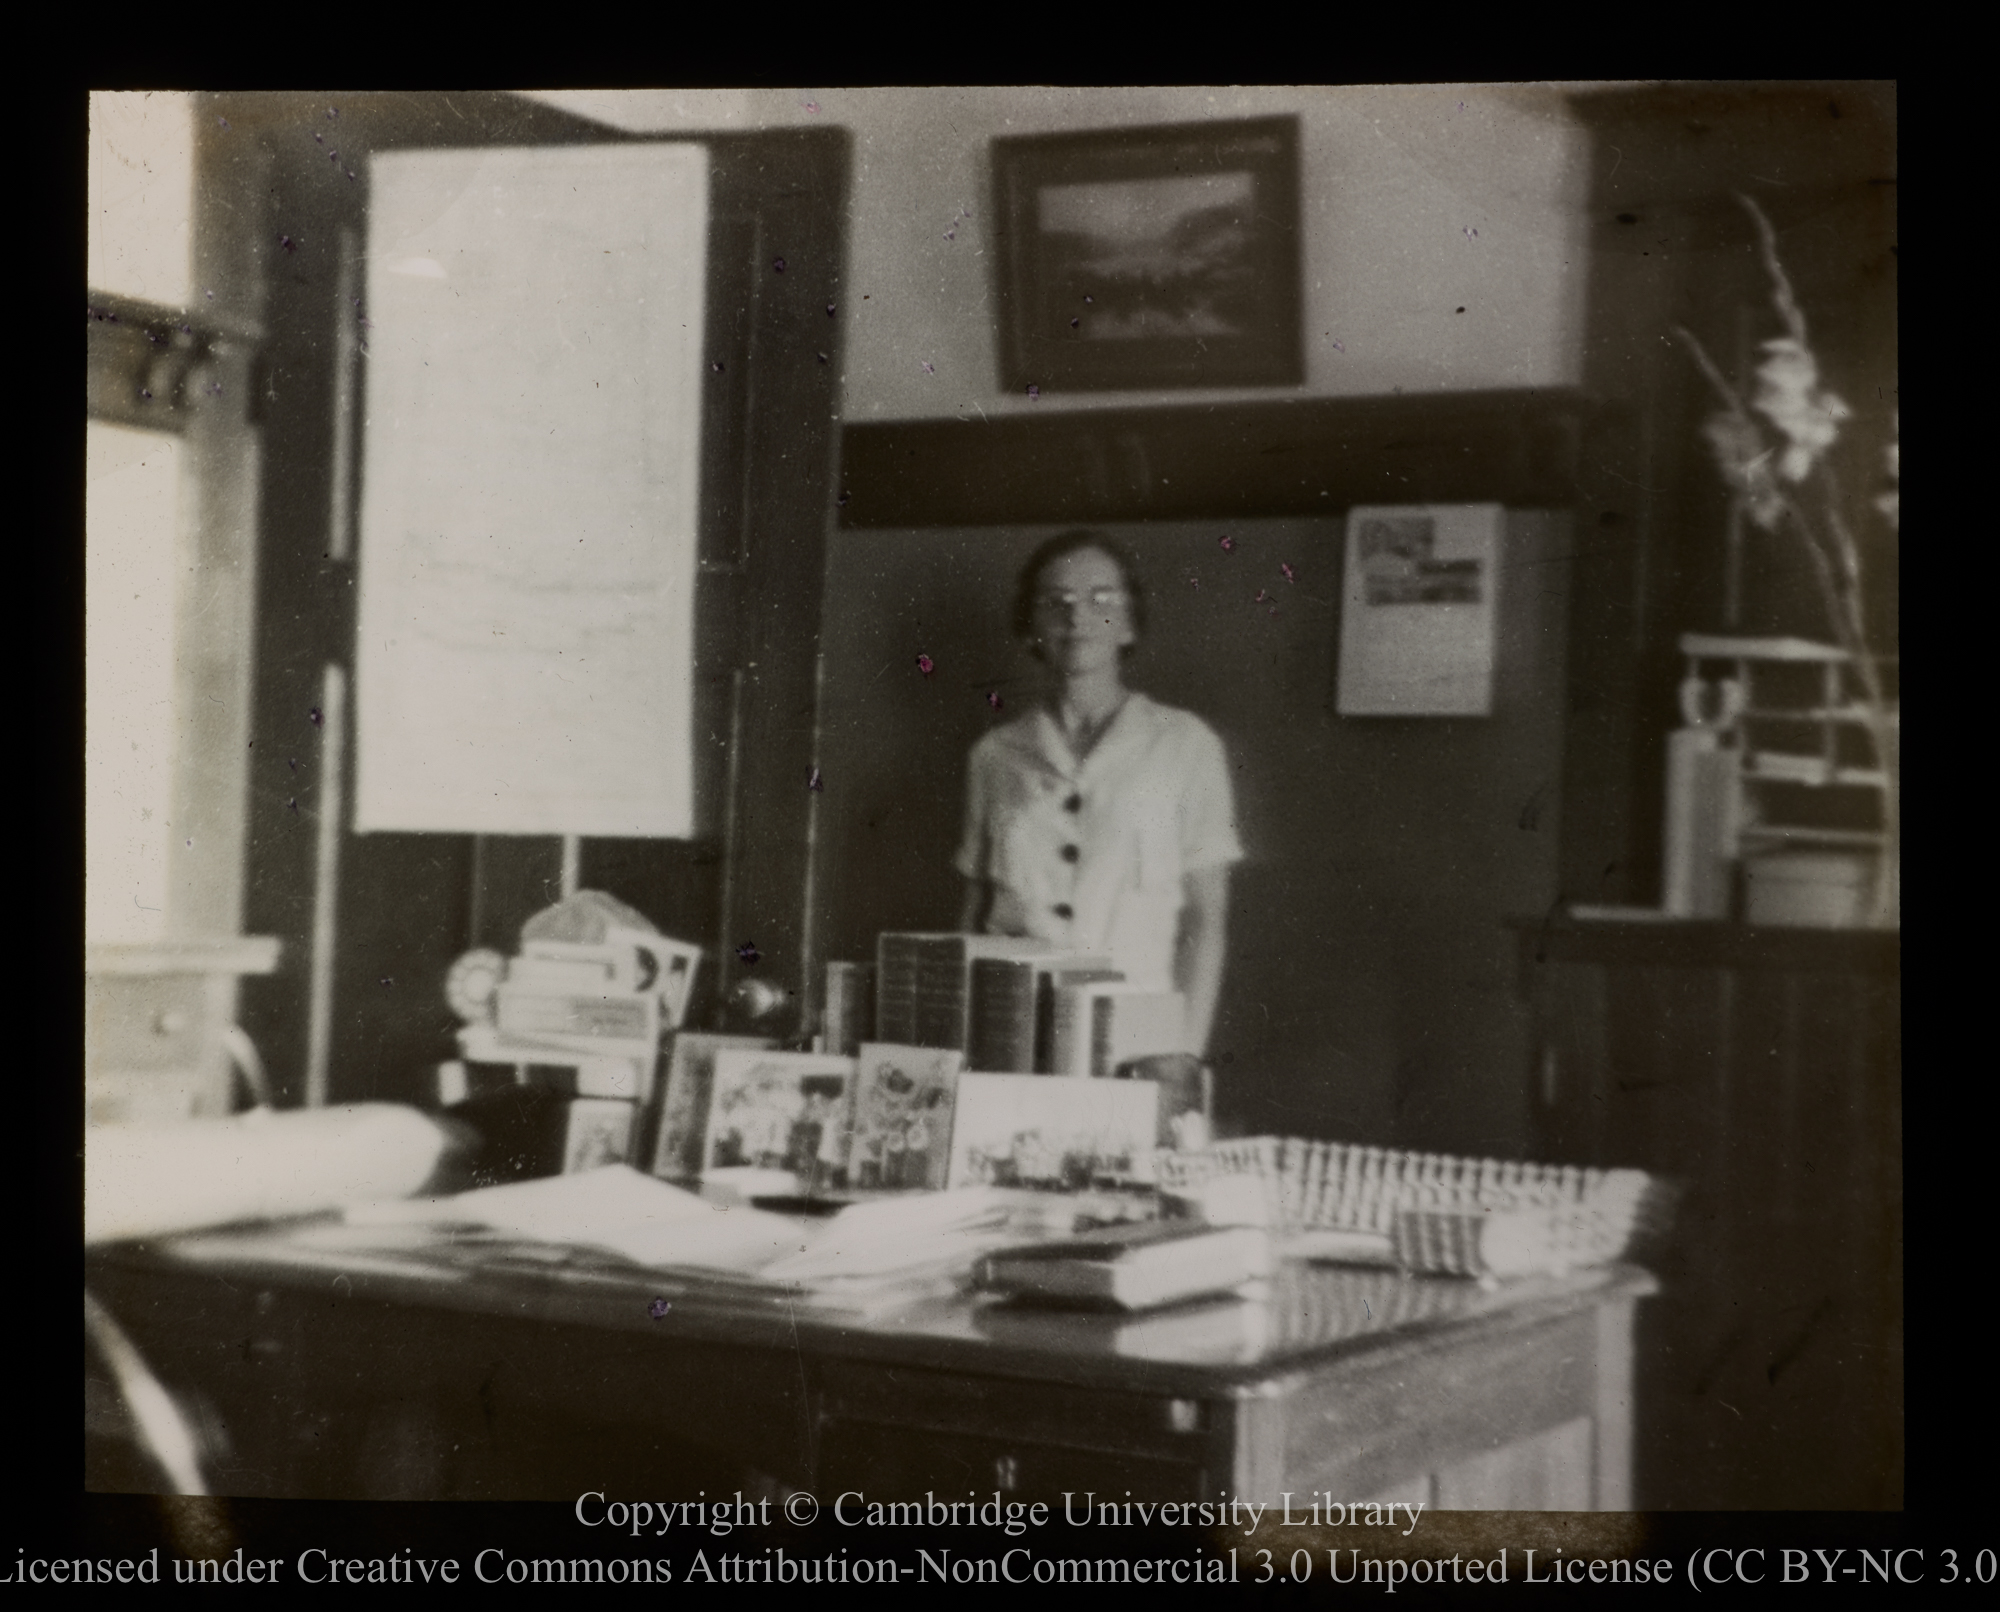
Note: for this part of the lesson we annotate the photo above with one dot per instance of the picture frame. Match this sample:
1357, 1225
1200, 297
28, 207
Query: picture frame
1150, 257
781, 1111
1420, 610
690, 1078
597, 1131
1050, 1132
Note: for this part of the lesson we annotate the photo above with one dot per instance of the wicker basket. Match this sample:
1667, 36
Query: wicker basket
1423, 1211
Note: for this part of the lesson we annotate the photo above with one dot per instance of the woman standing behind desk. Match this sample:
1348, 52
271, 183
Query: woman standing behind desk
1101, 820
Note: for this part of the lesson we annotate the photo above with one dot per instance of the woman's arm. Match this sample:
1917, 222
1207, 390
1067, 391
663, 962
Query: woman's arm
1198, 956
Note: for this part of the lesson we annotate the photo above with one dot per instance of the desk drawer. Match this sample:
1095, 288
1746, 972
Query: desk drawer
1155, 1426
146, 1022
900, 1463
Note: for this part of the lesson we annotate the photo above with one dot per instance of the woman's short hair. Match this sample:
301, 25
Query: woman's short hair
1028, 583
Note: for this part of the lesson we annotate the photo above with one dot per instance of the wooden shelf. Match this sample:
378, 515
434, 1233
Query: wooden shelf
1834, 713
1811, 772
1814, 836
1643, 937
237, 954
1285, 457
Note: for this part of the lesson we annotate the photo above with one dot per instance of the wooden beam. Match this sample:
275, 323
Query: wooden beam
1225, 461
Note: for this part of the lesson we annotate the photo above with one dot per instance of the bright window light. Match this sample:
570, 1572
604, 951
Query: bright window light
141, 194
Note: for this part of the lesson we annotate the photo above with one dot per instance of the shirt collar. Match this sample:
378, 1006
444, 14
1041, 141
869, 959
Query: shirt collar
1052, 749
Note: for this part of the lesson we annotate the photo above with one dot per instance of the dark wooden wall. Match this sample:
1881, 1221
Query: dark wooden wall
274, 208
1762, 1072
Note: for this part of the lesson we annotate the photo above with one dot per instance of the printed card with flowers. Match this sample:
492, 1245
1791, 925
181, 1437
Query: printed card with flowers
903, 1104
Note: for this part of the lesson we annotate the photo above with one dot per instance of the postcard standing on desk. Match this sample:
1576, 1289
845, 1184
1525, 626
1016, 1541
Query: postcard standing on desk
1031, 1131
684, 1107
597, 1130
783, 1111
903, 1115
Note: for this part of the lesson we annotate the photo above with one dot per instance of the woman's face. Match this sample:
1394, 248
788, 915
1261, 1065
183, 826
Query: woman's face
1083, 615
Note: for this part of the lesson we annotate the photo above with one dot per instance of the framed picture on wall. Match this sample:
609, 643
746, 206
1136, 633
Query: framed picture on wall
1418, 610
1151, 257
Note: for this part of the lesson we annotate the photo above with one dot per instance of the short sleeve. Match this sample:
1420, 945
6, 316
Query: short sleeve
1208, 805
971, 860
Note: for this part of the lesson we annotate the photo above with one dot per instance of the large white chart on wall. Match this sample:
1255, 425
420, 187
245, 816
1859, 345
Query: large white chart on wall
1419, 609
524, 662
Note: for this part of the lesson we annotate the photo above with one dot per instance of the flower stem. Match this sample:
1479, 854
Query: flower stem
1715, 376
1781, 286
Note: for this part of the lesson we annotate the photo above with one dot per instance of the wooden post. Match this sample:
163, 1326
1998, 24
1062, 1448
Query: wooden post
326, 883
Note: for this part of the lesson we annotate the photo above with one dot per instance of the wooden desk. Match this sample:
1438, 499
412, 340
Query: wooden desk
400, 1376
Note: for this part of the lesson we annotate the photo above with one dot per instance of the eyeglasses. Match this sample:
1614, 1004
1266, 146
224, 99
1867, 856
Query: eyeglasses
1096, 598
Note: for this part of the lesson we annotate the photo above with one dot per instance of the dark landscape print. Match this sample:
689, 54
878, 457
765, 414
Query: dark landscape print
1146, 259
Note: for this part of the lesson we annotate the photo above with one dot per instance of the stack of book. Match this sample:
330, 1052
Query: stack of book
923, 984
1013, 1008
558, 1046
1015, 1005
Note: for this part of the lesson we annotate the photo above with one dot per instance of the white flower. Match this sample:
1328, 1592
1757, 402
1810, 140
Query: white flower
1745, 461
1790, 397
1890, 502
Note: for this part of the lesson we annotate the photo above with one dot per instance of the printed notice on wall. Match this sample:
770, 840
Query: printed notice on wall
533, 334
1419, 607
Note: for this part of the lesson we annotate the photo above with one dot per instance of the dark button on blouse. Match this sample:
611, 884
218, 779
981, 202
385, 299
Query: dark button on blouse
1073, 804
1070, 853
1064, 910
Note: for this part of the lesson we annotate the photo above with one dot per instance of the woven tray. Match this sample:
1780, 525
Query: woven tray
1429, 1212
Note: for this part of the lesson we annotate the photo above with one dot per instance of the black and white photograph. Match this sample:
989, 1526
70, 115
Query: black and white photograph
1363, 618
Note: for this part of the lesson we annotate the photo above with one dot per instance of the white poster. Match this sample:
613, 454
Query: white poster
1419, 610
533, 335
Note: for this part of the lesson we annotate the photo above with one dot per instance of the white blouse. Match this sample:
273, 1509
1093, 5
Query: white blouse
1090, 854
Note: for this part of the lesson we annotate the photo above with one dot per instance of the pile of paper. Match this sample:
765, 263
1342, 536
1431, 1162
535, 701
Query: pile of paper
613, 1208
868, 1257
